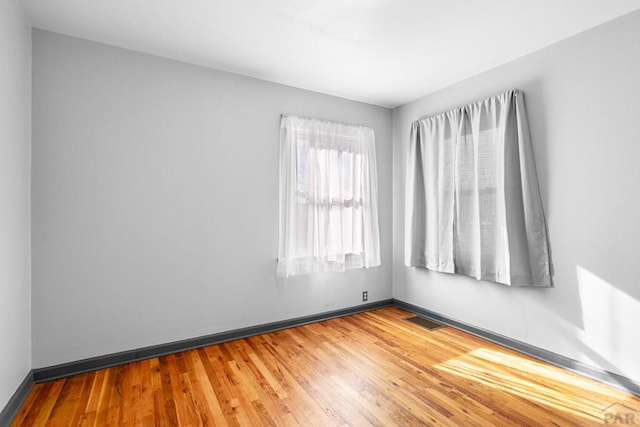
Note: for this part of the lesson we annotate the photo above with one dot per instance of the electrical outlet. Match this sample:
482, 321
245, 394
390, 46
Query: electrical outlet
365, 295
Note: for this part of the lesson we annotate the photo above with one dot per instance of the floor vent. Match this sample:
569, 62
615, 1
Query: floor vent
425, 323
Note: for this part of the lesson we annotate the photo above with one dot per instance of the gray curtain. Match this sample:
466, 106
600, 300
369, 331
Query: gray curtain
473, 203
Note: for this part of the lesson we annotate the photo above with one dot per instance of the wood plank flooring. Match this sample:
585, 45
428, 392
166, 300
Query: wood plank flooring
371, 368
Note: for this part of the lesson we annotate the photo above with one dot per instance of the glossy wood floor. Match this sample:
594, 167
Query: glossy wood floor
371, 368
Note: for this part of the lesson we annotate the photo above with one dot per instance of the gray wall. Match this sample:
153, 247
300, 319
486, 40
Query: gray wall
155, 188
583, 105
15, 153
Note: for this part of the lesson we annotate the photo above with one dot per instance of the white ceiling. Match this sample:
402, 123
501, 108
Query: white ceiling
384, 52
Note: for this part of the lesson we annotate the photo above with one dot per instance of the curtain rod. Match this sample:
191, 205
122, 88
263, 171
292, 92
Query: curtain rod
515, 92
323, 120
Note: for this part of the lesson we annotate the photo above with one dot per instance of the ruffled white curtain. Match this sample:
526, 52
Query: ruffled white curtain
473, 203
328, 197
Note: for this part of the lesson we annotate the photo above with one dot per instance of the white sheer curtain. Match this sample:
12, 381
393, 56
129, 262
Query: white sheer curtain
328, 197
473, 204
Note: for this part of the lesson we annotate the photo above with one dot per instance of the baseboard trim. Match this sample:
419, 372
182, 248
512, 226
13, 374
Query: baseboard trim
13, 406
115, 359
600, 375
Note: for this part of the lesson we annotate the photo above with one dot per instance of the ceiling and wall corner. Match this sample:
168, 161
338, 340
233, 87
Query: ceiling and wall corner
382, 52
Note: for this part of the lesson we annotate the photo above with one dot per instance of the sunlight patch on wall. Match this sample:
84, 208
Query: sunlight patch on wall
610, 318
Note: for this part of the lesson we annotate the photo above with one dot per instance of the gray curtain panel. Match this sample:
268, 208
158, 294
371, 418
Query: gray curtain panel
473, 203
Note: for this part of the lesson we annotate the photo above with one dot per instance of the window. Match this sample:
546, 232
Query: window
473, 204
328, 197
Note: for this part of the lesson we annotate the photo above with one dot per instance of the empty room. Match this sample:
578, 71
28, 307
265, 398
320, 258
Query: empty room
319, 212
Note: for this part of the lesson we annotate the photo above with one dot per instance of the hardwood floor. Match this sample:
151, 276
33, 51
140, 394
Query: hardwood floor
371, 368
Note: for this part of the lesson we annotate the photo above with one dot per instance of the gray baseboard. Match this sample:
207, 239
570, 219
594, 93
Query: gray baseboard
87, 365
600, 375
101, 362
13, 406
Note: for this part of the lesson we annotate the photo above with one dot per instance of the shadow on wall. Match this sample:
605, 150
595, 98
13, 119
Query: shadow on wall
604, 312
534, 100
603, 335
609, 314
